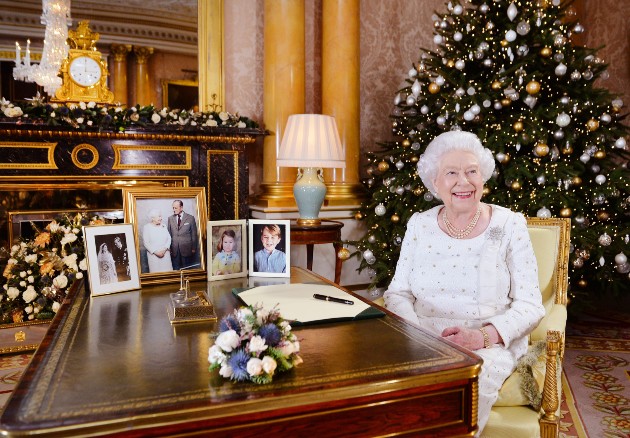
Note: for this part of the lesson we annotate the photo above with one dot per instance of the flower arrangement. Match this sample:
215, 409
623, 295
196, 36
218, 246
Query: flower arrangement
253, 345
90, 115
39, 272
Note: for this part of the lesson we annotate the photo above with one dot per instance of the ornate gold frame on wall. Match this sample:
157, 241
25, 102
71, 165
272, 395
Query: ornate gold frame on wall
167, 100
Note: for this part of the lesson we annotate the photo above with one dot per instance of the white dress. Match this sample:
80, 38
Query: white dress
157, 238
442, 282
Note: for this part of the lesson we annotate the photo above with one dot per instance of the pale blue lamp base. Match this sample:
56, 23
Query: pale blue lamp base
309, 191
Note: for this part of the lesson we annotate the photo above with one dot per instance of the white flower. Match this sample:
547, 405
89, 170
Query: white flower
254, 366
211, 122
286, 349
83, 265
155, 118
54, 226
286, 327
164, 112
241, 125
193, 123
13, 292
269, 364
82, 105
60, 281
23, 274
15, 248
23, 283
56, 306
53, 115
257, 344
68, 238
89, 123
79, 120
79, 275
91, 104
29, 294
117, 109
31, 316
31, 279
215, 355
261, 316
224, 116
228, 340
31, 258
28, 309
72, 106
76, 230
55, 106
71, 262
15, 111
226, 371
244, 313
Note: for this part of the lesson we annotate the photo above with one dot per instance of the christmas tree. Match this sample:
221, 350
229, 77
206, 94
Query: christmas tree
509, 72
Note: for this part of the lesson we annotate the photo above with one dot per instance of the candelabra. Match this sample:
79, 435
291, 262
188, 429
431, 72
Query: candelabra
56, 18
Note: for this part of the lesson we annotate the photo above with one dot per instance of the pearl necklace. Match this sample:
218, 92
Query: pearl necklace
457, 233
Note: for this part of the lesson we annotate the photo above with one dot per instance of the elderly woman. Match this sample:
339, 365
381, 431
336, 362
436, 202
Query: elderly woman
157, 242
467, 270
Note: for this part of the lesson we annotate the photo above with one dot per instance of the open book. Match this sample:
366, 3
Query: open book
297, 304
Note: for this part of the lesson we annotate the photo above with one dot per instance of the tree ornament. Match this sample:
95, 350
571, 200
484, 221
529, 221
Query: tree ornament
576, 181
533, 87
343, 254
584, 158
400, 190
417, 191
544, 212
484, 8
603, 215
576, 76
383, 166
380, 210
540, 179
372, 238
496, 85
579, 219
406, 143
510, 36
559, 134
620, 143
518, 126
621, 258
416, 88
516, 185
486, 191
546, 52
512, 12
398, 240
358, 215
578, 263
566, 212
541, 150
604, 240
563, 119
410, 100
623, 269
561, 69
600, 155
592, 124
399, 165
434, 88
567, 149
582, 283
395, 218
600, 179
506, 102
583, 253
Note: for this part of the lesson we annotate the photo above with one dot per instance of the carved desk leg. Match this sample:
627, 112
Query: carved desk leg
549, 427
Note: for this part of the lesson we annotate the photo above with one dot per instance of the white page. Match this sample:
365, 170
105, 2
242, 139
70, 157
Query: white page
296, 301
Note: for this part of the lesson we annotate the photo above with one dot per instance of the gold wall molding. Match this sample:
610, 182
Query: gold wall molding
119, 152
84, 147
234, 154
210, 46
229, 139
50, 156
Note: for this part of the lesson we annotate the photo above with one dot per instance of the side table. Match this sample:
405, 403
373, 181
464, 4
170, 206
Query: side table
327, 232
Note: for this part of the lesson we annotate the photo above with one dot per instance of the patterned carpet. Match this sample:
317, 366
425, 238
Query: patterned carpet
595, 380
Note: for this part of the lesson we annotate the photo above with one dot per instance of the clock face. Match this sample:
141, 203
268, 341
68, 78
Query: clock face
85, 71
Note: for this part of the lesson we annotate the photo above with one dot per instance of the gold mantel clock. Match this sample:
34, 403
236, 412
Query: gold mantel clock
83, 73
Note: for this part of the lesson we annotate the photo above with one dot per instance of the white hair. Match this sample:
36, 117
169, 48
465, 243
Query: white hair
153, 213
429, 161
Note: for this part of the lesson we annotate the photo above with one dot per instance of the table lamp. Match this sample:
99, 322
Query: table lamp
310, 142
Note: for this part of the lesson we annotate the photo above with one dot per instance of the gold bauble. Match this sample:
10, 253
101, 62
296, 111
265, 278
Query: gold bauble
496, 85
582, 282
506, 102
433, 88
592, 124
406, 143
343, 254
504, 43
566, 212
486, 191
414, 159
546, 52
384, 245
533, 87
516, 185
383, 166
518, 126
506, 158
567, 149
616, 109
450, 63
417, 191
576, 181
541, 150
358, 215
599, 154
395, 218
603, 215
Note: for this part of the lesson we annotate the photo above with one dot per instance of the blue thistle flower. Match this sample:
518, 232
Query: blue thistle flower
238, 362
271, 334
230, 323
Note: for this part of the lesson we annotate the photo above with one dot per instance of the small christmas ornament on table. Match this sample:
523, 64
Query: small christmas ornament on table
253, 345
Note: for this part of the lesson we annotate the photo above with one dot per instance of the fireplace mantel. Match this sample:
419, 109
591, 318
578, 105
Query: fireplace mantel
49, 169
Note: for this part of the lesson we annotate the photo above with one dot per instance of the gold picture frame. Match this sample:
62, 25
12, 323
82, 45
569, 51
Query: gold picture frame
180, 94
164, 245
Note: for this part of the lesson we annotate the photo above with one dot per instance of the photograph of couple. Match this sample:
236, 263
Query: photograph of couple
113, 258
169, 238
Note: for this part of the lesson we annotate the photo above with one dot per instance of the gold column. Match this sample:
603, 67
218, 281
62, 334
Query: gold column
340, 93
143, 83
283, 93
210, 54
119, 71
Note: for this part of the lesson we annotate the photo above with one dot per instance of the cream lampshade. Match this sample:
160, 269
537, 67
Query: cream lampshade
310, 142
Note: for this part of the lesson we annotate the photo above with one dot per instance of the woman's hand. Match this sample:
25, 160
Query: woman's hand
471, 339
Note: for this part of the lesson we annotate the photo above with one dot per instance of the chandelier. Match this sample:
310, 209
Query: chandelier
56, 18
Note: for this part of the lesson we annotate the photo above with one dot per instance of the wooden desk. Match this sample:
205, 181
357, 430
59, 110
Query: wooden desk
113, 365
327, 232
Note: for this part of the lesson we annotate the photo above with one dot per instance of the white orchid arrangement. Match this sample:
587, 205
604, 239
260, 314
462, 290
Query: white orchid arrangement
39, 272
253, 345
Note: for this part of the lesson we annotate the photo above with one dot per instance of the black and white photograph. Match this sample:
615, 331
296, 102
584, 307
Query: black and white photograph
269, 248
171, 230
112, 259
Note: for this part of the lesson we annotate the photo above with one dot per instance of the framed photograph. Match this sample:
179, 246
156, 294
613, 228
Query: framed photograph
227, 244
112, 258
269, 248
171, 227
180, 94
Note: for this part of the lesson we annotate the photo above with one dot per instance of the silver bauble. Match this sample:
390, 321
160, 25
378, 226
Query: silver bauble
484, 8
605, 118
457, 36
371, 238
368, 254
623, 268
576, 75
595, 168
561, 69
588, 75
544, 212
424, 109
523, 28
579, 219
512, 12
500, 156
559, 134
468, 116
620, 143
565, 100
475, 109
399, 164
563, 120
410, 100
584, 158
400, 190
510, 35
621, 258
439, 81
397, 240
413, 73
600, 179
487, 62
441, 120
558, 56
497, 105
380, 210
578, 28
437, 39
416, 88
540, 179
415, 146
522, 50
428, 196
599, 199
604, 240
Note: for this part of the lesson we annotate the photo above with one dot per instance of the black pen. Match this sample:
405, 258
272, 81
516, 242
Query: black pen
333, 299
